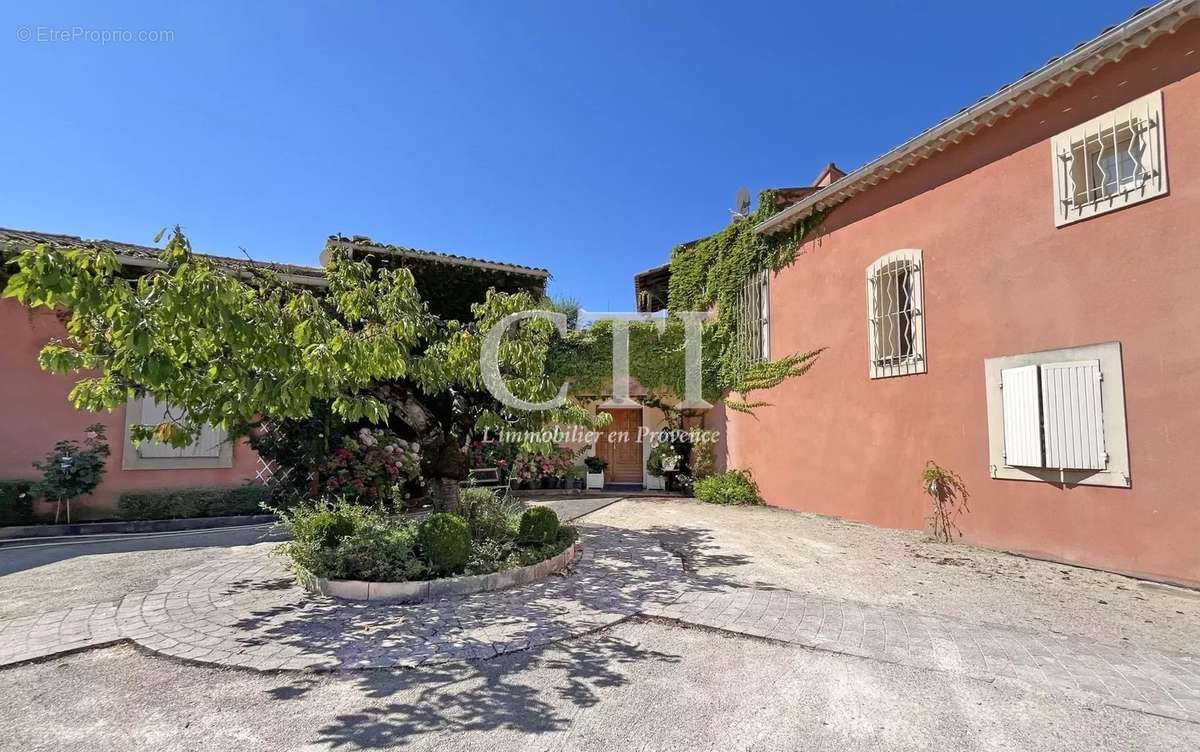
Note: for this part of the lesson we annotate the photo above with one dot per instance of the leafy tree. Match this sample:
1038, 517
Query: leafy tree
237, 348
73, 469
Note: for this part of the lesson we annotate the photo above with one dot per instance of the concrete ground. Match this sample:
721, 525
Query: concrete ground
640, 684
767, 546
38, 577
636, 686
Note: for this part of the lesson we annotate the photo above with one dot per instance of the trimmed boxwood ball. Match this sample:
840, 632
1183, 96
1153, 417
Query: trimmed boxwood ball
445, 541
539, 526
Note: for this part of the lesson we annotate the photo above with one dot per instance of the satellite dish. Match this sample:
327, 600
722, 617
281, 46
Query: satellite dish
742, 202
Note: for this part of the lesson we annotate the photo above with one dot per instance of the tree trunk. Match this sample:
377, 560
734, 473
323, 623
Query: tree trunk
445, 494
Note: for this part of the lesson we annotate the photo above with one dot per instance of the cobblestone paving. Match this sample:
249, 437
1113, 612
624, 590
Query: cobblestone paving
243, 609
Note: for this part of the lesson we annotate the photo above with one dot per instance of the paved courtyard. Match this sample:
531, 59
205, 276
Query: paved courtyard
672, 570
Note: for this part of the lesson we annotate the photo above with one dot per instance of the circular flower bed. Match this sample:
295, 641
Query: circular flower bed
350, 551
417, 591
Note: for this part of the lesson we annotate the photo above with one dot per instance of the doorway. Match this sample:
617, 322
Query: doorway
619, 444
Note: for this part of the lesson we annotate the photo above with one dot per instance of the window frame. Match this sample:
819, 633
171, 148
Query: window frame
1116, 474
1147, 109
916, 361
754, 326
132, 459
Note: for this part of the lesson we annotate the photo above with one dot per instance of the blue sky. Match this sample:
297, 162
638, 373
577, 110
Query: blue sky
588, 138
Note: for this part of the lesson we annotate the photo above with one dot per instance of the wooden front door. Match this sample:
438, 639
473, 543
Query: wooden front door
620, 446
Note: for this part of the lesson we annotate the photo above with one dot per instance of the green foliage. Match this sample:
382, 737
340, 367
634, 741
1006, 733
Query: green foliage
948, 496
351, 542
662, 450
240, 348
445, 541
733, 487
193, 502
595, 464
16, 502
496, 555
342, 540
704, 461
74, 469
378, 554
539, 526
224, 348
490, 515
708, 274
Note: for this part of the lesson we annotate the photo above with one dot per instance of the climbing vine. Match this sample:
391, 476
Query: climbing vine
708, 274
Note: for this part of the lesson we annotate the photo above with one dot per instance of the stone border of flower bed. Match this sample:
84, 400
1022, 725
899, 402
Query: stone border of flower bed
431, 590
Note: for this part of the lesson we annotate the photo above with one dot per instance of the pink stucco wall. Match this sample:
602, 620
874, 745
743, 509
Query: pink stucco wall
1000, 279
35, 413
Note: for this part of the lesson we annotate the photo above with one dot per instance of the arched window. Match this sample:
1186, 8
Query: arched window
895, 320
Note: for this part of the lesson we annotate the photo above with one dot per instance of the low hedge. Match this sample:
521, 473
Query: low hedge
16, 502
193, 502
733, 487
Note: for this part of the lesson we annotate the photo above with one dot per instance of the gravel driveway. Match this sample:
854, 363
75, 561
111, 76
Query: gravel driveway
767, 546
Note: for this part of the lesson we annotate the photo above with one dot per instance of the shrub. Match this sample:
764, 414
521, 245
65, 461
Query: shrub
193, 502
595, 464
704, 461
733, 487
378, 555
445, 541
489, 515
16, 502
343, 539
497, 556
373, 465
948, 496
74, 469
539, 526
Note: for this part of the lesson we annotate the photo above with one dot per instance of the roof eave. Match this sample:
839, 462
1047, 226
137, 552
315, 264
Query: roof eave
441, 258
1135, 33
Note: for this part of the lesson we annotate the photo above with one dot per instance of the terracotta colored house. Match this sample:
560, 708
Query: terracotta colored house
35, 413
1011, 294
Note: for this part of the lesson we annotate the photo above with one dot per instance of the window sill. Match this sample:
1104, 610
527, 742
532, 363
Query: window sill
1109, 478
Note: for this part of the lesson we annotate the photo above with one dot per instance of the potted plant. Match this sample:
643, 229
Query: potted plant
662, 460
575, 476
595, 471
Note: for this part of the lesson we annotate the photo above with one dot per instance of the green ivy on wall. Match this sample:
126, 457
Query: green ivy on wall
708, 274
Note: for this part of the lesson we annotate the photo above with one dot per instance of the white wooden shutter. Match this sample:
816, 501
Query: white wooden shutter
207, 445
1022, 424
1072, 415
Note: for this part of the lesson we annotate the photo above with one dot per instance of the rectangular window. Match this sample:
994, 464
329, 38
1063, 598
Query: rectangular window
1057, 415
895, 327
211, 449
753, 320
1111, 161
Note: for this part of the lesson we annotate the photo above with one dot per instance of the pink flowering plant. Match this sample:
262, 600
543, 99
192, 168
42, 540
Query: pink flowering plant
372, 465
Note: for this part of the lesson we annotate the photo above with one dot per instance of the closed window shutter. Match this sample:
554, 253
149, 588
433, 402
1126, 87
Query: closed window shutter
1072, 415
1022, 414
208, 444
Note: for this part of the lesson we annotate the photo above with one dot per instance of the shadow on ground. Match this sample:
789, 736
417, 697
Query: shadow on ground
482, 697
